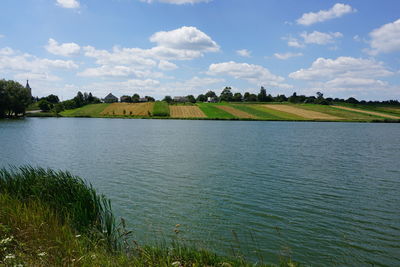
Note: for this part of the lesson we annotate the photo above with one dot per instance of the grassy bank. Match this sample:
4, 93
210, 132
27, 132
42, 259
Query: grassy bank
52, 218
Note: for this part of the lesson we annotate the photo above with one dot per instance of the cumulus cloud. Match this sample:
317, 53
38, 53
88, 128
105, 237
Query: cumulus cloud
293, 42
385, 39
244, 53
320, 38
185, 38
345, 74
68, 3
14, 60
66, 49
254, 74
323, 68
284, 56
337, 11
166, 65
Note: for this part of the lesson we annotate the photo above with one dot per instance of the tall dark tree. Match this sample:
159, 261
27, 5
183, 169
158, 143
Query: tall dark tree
191, 99
135, 98
262, 96
52, 99
226, 94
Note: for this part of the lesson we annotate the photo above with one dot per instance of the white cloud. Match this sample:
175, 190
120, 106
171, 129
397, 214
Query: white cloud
68, 3
185, 38
44, 76
347, 75
166, 65
351, 67
385, 39
118, 71
177, 2
244, 53
66, 49
320, 38
336, 11
16, 61
293, 42
284, 56
254, 74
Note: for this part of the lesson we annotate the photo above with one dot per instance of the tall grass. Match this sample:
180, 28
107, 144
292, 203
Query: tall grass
161, 109
69, 196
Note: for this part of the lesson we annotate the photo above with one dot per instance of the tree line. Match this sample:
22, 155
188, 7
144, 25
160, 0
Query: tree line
14, 99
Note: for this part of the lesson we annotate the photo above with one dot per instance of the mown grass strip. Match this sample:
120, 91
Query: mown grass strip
161, 109
279, 114
252, 109
213, 112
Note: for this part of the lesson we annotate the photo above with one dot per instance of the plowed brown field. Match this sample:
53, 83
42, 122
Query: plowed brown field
308, 114
369, 112
236, 112
133, 109
186, 112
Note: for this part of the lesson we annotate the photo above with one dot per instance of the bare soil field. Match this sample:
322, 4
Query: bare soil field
368, 112
308, 114
128, 109
186, 112
237, 113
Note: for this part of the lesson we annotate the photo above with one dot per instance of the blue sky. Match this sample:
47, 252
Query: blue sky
181, 47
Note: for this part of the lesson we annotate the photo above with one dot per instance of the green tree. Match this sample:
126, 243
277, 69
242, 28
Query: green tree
226, 94
14, 98
201, 98
237, 97
262, 96
135, 98
52, 99
191, 99
45, 105
167, 99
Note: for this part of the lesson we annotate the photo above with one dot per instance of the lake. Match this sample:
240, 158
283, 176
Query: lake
323, 193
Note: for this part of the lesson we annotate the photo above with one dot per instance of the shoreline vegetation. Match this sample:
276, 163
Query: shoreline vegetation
53, 218
264, 111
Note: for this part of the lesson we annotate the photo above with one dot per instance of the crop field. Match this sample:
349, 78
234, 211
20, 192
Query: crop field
178, 111
128, 109
213, 112
161, 109
92, 110
258, 111
307, 114
236, 112
379, 114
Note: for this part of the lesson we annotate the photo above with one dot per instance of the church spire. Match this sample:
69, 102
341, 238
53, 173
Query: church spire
28, 87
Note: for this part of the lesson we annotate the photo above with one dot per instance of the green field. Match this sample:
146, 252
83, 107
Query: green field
160, 109
92, 110
291, 112
213, 112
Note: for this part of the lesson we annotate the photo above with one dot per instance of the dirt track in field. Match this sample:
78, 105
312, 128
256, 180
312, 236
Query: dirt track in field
308, 114
237, 113
368, 112
129, 109
186, 112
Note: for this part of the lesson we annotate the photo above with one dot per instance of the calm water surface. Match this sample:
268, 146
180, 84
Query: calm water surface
324, 193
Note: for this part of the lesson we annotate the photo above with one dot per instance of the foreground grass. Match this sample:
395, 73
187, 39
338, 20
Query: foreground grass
45, 221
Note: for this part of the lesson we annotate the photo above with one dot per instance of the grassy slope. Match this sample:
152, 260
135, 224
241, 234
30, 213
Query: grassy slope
160, 109
213, 112
33, 231
258, 112
385, 109
92, 110
347, 115
280, 114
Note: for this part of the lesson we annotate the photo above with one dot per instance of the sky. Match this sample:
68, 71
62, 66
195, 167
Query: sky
180, 47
